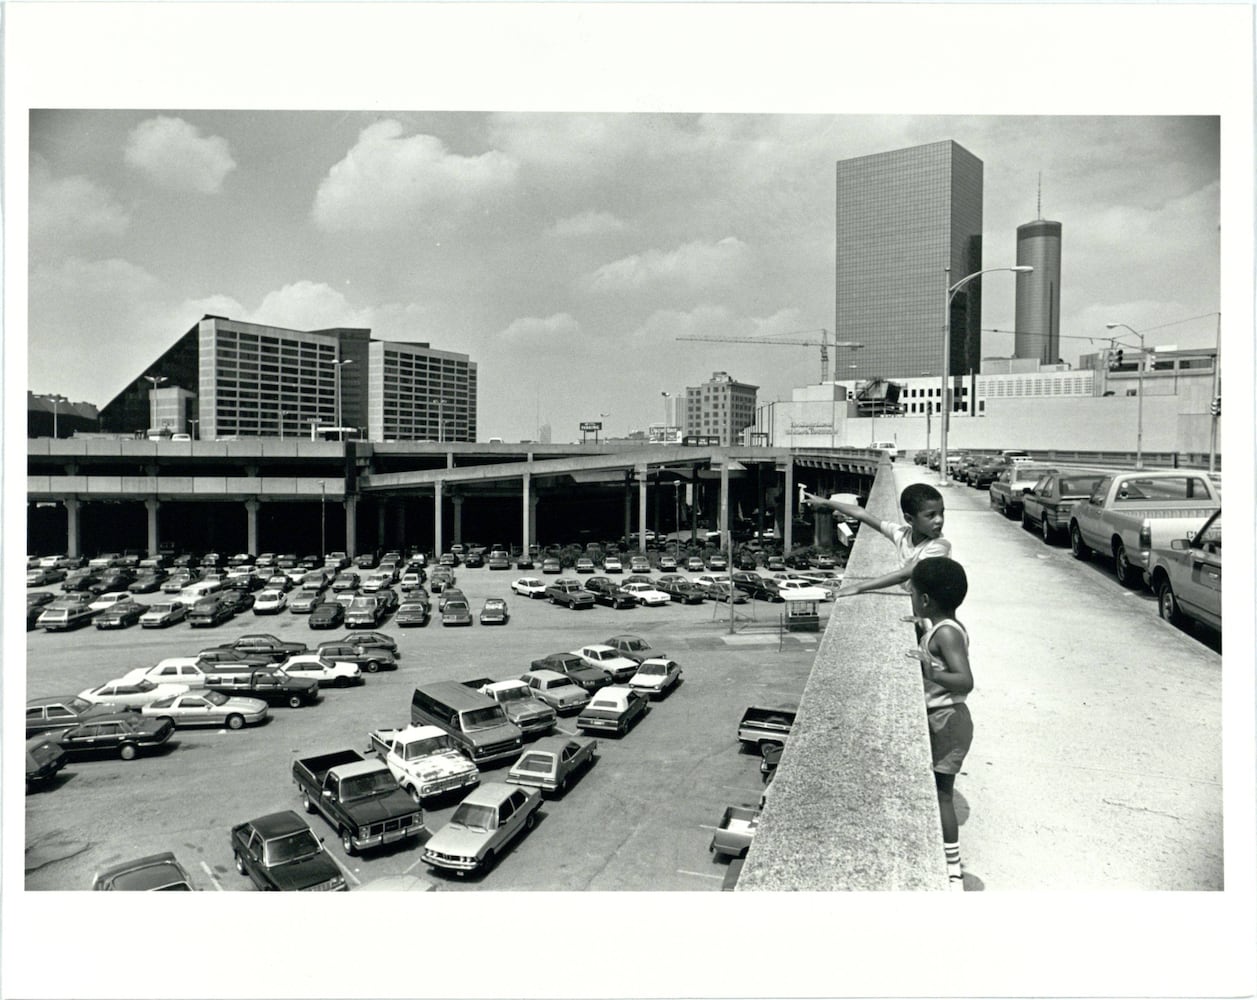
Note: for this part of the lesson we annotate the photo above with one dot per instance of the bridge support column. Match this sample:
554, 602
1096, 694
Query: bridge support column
399, 525
787, 510
628, 509
73, 540
641, 509
528, 513
694, 493
251, 524
381, 523
458, 516
351, 526
438, 530
151, 505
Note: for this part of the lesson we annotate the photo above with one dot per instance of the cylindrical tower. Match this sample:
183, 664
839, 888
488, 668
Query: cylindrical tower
1039, 292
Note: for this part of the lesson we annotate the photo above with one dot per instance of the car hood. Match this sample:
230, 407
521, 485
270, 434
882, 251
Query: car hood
309, 871
458, 840
524, 713
440, 765
244, 705
377, 808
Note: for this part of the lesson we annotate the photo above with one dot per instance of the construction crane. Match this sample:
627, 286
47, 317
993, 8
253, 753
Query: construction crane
823, 342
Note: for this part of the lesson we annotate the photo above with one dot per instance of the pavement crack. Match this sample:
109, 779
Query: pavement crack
1143, 809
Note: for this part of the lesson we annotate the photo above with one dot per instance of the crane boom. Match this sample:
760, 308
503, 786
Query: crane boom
823, 342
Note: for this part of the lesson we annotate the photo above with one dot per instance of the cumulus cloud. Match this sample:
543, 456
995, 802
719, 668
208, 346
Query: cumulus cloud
176, 155
590, 223
72, 209
693, 264
391, 181
308, 305
541, 330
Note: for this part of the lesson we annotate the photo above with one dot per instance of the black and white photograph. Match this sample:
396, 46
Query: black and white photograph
681, 465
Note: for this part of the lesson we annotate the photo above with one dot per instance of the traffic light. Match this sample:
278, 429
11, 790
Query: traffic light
1115, 360
1215, 407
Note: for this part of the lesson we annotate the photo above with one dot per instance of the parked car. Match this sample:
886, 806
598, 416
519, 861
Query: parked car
271, 685
521, 705
716, 562
803, 590
648, 594
529, 586
639, 564
1008, 490
163, 614
304, 601
569, 592
364, 612
108, 600
736, 830
425, 760
667, 563
613, 709
44, 715
124, 733
494, 612
44, 758
483, 825
1187, 576
130, 694
573, 665
551, 762
551, 565
62, 616
270, 602
619, 667
681, 590
280, 852
656, 676
154, 873
612, 564
1046, 506
607, 591
237, 599
412, 613
556, 690
371, 659
373, 640
120, 615
329, 673
632, 646
210, 611
328, 614
208, 708
43, 576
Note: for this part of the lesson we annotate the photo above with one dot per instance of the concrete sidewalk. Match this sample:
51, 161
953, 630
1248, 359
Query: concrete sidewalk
1097, 754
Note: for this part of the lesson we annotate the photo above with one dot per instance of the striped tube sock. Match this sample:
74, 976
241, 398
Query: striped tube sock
955, 874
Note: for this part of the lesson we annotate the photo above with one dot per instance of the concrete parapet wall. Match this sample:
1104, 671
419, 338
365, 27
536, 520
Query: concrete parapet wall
853, 805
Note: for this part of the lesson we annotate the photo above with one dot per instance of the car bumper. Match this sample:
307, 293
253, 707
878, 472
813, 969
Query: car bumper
441, 785
451, 863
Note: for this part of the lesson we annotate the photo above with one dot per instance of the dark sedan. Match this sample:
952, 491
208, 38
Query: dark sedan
280, 852
121, 615
123, 733
412, 613
1046, 507
610, 593
155, 873
329, 614
59, 712
44, 758
680, 589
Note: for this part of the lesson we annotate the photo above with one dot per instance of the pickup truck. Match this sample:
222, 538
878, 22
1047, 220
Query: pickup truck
736, 831
273, 686
1130, 513
358, 797
763, 728
425, 760
522, 707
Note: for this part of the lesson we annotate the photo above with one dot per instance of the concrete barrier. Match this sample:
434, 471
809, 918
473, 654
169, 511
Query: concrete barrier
853, 805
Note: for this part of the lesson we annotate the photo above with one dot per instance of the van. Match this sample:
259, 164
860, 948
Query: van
476, 722
194, 592
889, 447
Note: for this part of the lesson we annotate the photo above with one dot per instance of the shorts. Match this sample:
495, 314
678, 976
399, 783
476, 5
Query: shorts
951, 733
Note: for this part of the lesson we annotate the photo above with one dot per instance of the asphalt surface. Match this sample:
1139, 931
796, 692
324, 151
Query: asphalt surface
1097, 753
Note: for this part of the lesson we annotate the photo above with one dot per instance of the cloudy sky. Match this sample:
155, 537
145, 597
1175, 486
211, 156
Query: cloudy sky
565, 253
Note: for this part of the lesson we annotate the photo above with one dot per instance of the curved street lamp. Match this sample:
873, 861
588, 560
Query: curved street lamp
944, 408
1139, 392
340, 430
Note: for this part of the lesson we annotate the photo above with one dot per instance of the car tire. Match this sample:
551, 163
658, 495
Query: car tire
127, 751
562, 789
531, 821
490, 859
1167, 604
1045, 529
373, 666
1080, 549
239, 862
235, 721
1127, 575
341, 682
294, 701
306, 804
347, 843
414, 794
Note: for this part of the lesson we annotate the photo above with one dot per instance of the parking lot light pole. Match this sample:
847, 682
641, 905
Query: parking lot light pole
323, 520
155, 380
944, 408
340, 433
56, 399
1139, 392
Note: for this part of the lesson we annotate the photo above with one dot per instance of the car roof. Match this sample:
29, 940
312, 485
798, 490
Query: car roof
278, 824
548, 675
151, 872
489, 793
549, 744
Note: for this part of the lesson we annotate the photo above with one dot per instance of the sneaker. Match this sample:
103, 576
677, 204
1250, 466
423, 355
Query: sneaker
955, 878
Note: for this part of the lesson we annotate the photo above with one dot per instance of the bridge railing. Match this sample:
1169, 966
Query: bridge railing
853, 805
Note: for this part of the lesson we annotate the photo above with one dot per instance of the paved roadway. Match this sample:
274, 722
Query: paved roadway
641, 818
1097, 754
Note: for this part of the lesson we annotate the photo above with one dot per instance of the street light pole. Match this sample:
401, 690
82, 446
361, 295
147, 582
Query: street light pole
55, 399
323, 520
156, 380
1139, 392
944, 408
1217, 391
666, 396
340, 433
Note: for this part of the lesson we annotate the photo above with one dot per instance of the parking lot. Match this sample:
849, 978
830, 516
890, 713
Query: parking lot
640, 818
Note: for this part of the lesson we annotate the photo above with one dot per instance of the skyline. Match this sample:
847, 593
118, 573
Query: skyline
565, 252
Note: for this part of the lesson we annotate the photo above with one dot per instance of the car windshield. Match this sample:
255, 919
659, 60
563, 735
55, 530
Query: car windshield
160, 609
483, 718
362, 603
362, 786
604, 703
473, 817
652, 668
425, 748
1079, 485
215, 698
514, 694
293, 847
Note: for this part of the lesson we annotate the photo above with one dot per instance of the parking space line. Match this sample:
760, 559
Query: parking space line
212, 877
418, 862
684, 871
348, 873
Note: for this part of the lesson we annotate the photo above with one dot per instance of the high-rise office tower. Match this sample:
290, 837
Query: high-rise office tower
1038, 327
903, 218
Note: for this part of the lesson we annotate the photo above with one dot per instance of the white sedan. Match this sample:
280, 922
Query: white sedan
109, 600
644, 593
270, 602
804, 590
529, 586
334, 673
655, 676
607, 658
132, 694
209, 708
